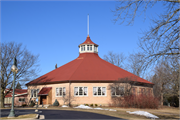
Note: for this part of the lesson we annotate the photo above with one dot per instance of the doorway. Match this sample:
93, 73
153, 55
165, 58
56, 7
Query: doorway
43, 99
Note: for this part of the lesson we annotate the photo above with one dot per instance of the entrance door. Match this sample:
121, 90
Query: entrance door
43, 99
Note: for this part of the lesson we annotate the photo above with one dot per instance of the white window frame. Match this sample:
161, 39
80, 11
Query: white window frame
23, 99
32, 95
101, 91
88, 47
78, 91
84, 48
116, 91
81, 48
62, 94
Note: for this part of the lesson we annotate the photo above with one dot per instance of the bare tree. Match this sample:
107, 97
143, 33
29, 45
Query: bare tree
26, 64
121, 88
116, 59
166, 80
161, 40
135, 64
68, 99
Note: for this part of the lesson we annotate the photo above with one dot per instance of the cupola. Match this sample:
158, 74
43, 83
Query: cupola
88, 46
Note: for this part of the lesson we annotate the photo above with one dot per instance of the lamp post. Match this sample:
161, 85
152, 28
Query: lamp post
14, 70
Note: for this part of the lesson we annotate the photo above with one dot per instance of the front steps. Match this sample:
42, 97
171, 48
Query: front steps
42, 106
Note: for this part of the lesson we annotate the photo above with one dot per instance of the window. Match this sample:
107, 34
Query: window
87, 47
142, 91
117, 91
82, 48
34, 93
61, 91
134, 91
21, 99
99, 91
95, 49
90, 47
149, 92
80, 91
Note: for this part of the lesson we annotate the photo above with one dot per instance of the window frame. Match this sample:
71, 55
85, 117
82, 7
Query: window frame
88, 47
23, 99
78, 91
101, 91
116, 92
62, 92
32, 95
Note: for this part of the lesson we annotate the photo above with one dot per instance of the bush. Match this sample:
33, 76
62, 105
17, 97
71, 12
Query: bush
32, 104
56, 103
96, 105
91, 105
86, 105
23, 105
140, 101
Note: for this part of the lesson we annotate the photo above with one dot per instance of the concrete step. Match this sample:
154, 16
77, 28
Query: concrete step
40, 106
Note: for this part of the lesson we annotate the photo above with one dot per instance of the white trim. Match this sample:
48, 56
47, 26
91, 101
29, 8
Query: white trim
88, 51
33, 93
101, 92
115, 93
62, 92
83, 91
20, 94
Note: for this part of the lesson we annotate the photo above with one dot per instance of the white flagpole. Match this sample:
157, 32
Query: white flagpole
88, 24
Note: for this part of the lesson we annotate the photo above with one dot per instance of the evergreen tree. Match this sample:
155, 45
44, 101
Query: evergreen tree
18, 86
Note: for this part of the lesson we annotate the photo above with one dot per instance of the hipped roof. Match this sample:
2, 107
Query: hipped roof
87, 67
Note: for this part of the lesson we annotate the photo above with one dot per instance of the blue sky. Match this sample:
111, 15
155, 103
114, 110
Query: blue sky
55, 29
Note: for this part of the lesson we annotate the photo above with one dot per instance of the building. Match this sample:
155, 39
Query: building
85, 80
20, 97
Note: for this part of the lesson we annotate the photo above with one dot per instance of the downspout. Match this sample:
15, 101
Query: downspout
69, 92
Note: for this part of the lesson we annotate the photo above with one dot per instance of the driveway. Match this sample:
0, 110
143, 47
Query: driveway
59, 114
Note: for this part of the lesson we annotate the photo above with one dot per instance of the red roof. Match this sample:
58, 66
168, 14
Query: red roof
16, 92
45, 91
88, 41
87, 67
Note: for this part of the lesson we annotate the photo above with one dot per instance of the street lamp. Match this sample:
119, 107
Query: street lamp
14, 70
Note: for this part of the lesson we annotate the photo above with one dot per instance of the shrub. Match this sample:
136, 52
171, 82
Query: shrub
32, 104
140, 101
96, 105
56, 103
91, 105
86, 105
23, 105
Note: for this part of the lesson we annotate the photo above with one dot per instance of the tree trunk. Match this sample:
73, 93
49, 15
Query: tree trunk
162, 95
2, 99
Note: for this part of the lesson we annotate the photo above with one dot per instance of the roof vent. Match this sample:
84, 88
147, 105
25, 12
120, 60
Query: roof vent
56, 66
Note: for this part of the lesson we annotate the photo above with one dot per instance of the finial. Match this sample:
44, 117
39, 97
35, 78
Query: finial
88, 24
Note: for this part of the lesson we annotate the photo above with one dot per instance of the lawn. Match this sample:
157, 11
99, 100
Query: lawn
162, 113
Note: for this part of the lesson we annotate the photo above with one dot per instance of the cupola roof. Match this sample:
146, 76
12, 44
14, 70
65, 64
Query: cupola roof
88, 41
